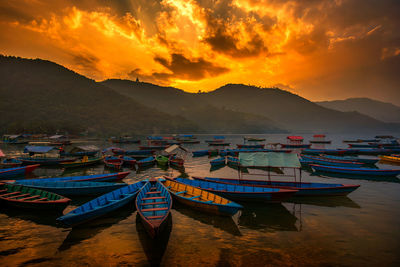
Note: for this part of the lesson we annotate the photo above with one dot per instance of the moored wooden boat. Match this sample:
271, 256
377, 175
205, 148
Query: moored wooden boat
113, 163
17, 171
314, 151
332, 162
254, 139
392, 159
146, 162
44, 160
21, 196
233, 161
85, 161
102, 205
202, 200
10, 163
355, 171
218, 161
176, 161
107, 177
250, 146
153, 204
241, 193
304, 188
128, 161
200, 153
162, 160
73, 188
355, 159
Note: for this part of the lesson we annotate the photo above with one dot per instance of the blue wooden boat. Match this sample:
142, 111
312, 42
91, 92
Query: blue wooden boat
18, 171
72, 188
261, 146
153, 204
200, 153
102, 205
44, 161
10, 163
332, 162
118, 151
356, 171
21, 196
363, 145
217, 162
232, 161
108, 177
377, 151
241, 193
200, 199
356, 159
313, 151
304, 188
150, 161
129, 161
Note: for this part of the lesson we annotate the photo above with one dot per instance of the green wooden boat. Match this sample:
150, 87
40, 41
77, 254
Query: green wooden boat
21, 196
85, 161
162, 160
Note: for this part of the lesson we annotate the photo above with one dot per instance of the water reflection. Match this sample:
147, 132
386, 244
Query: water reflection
357, 177
334, 201
88, 230
154, 248
223, 223
36, 216
267, 217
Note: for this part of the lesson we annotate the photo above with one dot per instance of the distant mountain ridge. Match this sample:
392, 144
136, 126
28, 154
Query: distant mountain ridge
379, 110
287, 110
42, 96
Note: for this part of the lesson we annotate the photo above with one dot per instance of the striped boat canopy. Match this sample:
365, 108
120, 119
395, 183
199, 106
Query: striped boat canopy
269, 159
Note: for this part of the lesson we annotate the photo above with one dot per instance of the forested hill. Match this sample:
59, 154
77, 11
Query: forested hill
41, 96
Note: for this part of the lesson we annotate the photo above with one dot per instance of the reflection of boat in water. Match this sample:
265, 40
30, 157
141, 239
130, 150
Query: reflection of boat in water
36, 216
154, 248
224, 223
335, 201
271, 218
92, 228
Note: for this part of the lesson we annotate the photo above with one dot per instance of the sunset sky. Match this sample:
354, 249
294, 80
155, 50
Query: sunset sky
321, 50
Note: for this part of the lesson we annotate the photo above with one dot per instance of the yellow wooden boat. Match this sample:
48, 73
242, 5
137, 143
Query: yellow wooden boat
200, 199
390, 159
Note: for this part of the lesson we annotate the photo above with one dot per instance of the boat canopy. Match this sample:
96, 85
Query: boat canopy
84, 148
38, 149
219, 137
295, 138
2, 154
319, 135
174, 148
269, 159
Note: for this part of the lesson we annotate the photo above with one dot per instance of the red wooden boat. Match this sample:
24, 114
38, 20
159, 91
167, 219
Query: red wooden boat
113, 162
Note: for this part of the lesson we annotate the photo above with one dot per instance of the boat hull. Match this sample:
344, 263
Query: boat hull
242, 193
304, 189
355, 171
105, 204
18, 171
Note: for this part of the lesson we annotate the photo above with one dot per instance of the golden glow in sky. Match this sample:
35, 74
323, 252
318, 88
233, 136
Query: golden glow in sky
328, 49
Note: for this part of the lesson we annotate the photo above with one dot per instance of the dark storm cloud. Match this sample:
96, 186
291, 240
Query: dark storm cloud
180, 67
190, 69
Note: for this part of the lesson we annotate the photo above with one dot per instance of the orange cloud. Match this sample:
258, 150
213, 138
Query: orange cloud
313, 46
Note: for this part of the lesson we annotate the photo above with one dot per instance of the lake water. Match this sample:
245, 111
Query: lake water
362, 229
